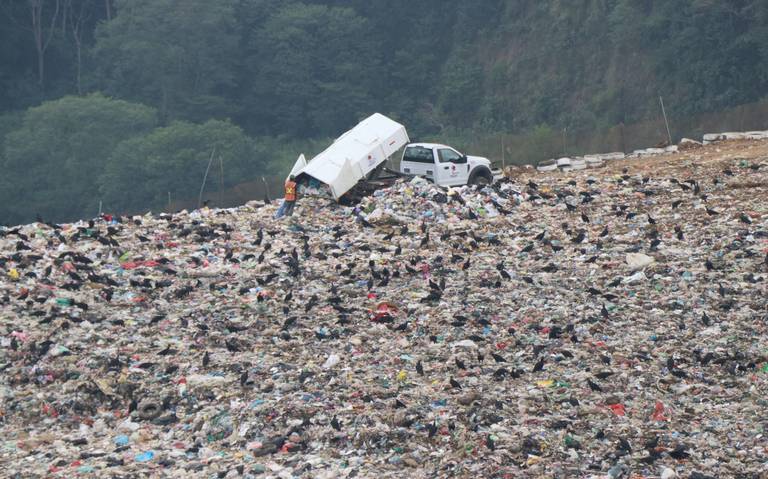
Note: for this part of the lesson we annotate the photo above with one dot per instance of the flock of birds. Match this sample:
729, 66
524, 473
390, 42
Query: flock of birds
444, 259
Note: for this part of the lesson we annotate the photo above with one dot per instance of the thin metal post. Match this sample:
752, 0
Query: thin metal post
99, 207
565, 150
666, 122
169, 202
221, 182
266, 188
503, 159
205, 177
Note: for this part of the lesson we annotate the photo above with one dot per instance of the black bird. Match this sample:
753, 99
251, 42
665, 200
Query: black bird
335, 424
402, 327
539, 366
624, 445
708, 264
604, 233
655, 243
431, 429
498, 358
232, 346
705, 319
579, 238
460, 364
584, 218
604, 311
528, 248
420, 368
679, 452
677, 203
652, 443
651, 221
454, 383
712, 212
541, 235
721, 289
432, 296
206, 359
504, 274
594, 291
745, 219
679, 232
594, 386
167, 351
311, 304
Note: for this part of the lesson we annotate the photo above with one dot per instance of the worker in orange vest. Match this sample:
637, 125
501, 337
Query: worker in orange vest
289, 201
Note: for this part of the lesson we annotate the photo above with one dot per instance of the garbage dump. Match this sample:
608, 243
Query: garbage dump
608, 323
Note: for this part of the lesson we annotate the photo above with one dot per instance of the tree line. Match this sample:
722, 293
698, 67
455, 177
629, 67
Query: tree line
124, 100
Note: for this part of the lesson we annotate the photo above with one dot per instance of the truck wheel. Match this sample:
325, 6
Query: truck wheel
480, 180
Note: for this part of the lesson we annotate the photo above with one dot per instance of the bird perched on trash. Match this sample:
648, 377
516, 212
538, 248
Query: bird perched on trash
745, 219
336, 424
579, 238
454, 383
432, 296
425, 240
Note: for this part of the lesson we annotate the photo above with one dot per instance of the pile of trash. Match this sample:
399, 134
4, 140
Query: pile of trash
576, 163
605, 324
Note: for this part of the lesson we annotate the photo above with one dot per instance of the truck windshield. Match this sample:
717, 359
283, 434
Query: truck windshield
418, 154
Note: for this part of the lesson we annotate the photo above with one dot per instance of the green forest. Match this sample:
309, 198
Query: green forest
125, 102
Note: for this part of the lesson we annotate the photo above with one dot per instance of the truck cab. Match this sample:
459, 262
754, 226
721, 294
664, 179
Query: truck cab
444, 165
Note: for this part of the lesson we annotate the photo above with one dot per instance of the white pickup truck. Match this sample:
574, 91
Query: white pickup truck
445, 166
353, 164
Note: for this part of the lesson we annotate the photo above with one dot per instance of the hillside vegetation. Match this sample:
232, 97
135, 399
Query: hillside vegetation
126, 101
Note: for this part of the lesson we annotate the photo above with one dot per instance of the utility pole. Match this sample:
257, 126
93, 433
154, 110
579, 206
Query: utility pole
666, 122
205, 177
565, 150
503, 159
221, 182
266, 188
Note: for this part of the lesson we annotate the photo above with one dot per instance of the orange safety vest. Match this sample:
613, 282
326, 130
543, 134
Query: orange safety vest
290, 190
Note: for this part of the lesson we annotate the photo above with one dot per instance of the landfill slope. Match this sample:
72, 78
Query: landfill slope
601, 323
